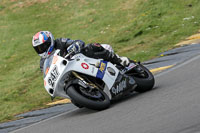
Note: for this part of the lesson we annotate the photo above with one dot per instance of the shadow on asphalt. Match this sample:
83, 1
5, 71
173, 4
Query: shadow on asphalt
131, 96
85, 111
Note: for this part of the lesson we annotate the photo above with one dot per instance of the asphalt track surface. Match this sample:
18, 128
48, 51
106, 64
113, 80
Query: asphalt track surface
171, 107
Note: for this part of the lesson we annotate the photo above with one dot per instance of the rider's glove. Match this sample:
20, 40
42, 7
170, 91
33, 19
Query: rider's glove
75, 47
124, 61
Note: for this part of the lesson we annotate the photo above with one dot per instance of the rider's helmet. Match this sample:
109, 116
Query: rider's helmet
43, 43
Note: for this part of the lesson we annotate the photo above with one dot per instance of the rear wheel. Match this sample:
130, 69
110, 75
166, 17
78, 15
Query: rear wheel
94, 99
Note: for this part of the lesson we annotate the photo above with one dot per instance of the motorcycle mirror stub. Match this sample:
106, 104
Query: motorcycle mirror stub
64, 62
51, 91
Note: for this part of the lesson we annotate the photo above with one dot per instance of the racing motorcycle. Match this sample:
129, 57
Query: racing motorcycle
93, 83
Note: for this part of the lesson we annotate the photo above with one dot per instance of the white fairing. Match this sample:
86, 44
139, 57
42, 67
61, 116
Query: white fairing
54, 78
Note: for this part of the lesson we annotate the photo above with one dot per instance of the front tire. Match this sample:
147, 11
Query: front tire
75, 94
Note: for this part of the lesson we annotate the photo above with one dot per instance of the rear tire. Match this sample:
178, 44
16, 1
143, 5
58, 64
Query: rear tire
82, 100
144, 84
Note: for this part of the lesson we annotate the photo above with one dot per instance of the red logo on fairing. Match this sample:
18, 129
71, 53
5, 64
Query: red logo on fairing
85, 66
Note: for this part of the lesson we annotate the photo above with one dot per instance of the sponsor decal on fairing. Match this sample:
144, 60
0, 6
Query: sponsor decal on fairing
85, 66
102, 69
53, 76
119, 88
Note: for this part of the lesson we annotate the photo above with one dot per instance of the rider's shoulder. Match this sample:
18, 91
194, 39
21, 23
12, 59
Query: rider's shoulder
62, 40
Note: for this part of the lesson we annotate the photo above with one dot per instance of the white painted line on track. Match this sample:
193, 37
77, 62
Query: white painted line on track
43, 120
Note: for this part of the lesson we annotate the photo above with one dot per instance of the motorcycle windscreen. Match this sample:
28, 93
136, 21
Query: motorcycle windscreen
47, 64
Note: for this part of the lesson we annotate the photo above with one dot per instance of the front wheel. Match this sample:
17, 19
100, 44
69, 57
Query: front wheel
96, 100
145, 80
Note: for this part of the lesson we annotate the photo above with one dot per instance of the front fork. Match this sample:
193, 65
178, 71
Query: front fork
88, 88
90, 85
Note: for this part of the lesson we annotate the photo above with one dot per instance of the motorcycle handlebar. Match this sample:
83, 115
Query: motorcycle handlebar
72, 53
68, 55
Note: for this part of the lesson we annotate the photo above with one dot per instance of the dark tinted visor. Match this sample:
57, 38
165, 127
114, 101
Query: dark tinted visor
43, 47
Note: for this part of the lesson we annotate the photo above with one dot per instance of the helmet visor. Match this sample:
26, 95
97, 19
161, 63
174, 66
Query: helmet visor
43, 47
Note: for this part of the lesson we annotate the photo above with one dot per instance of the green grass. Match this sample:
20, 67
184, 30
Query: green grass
139, 29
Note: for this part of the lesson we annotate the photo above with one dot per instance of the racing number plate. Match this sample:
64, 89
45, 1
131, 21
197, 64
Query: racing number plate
53, 76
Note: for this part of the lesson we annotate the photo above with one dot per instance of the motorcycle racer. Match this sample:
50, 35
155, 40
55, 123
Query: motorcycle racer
44, 44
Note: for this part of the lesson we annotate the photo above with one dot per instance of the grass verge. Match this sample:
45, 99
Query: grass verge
137, 29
